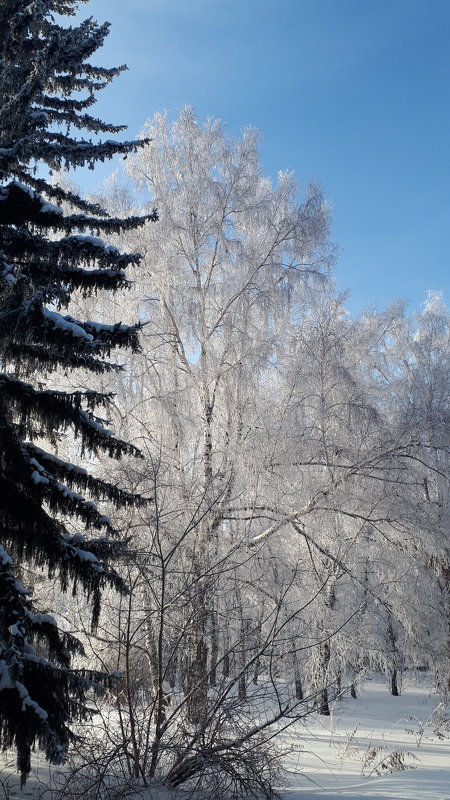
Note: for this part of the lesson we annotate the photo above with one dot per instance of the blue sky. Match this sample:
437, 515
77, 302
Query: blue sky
351, 93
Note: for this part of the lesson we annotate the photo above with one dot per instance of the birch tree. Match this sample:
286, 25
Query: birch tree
223, 263
280, 446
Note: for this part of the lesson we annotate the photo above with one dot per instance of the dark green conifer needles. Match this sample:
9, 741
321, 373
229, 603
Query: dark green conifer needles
47, 84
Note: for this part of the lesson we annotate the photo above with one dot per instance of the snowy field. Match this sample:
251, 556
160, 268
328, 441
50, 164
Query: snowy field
378, 747
356, 753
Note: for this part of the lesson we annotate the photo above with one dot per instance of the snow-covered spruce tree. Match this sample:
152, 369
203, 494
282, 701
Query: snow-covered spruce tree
46, 86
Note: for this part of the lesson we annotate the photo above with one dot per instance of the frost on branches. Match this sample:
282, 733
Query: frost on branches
299, 535
47, 85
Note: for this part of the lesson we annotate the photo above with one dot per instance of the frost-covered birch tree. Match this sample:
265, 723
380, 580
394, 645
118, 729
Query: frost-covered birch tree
413, 373
219, 277
289, 536
223, 261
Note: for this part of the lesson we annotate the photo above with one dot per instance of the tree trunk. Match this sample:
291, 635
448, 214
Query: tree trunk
392, 639
197, 684
395, 691
243, 654
214, 646
323, 704
297, 677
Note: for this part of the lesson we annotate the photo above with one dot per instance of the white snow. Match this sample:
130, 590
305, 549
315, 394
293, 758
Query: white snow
24, 188
36, 464
4, 557
7, 683
100, 326
28, 702
93, 240
46, 206
66, 324
85, 555
41, 618
338, 757
7, 271
19, 587
77, 538
95, 425
39, 115
68, 493
50, 208
5, 678
38, 478
50, 457
328, 754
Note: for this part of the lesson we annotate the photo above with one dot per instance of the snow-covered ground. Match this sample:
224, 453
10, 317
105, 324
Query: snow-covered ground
356, 754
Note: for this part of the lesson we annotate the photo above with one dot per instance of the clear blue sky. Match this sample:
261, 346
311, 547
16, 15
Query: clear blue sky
352, 93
